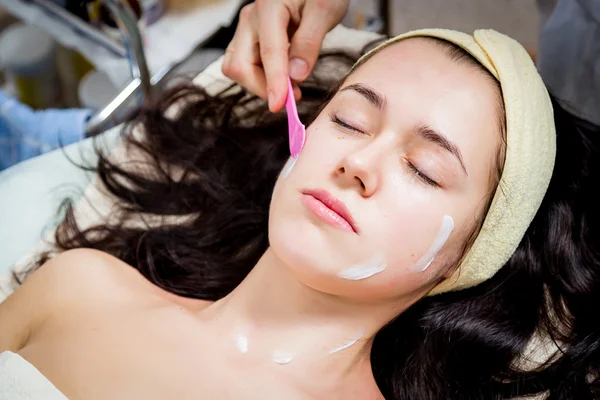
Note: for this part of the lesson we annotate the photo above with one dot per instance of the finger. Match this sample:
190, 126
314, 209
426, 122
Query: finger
242, 59
226, 65
230, 50
273, 43
318, 18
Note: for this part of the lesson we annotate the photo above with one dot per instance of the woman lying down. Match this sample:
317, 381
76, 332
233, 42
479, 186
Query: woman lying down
421, 241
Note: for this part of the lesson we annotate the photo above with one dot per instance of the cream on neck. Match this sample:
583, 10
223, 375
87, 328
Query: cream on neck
241, 342
272, 320
283, 357
347, 344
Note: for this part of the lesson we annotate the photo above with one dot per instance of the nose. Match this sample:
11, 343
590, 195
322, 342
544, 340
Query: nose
362, 168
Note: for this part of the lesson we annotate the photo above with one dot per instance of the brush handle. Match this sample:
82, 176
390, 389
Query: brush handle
296, 131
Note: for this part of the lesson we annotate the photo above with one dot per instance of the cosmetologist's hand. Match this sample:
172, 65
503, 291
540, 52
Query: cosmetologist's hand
261, 54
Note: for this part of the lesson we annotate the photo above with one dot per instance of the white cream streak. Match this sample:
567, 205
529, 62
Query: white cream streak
344, 346
443, 235
365, 270
281, 357
288, 167
241, 342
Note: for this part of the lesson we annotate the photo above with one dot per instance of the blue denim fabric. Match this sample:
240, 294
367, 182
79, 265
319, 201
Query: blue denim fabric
26, 133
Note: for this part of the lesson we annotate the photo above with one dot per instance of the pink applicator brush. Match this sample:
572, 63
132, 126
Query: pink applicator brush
296, 130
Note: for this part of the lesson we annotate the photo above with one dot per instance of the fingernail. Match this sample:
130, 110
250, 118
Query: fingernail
271, 99
298, 68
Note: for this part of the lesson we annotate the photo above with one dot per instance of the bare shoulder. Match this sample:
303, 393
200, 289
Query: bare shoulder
71, 279
80, 281
76, 278
91, 276
82, 274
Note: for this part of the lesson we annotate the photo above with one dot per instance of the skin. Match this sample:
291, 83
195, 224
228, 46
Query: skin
97, 329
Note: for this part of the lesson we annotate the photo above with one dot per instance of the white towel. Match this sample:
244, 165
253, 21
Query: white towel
19, 380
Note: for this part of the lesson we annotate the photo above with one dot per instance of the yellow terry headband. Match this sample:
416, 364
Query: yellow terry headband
530, 150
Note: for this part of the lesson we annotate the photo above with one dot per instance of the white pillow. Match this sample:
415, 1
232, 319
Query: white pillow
31, 192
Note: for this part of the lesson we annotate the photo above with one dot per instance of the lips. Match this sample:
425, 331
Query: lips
337, 206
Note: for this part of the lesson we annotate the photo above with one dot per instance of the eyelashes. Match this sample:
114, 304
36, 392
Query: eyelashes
422, 176
336, 120
414, 170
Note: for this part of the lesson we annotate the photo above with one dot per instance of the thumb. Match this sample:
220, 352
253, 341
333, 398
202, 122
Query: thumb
306, 43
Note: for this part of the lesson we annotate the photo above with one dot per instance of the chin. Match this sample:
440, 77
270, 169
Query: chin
305, 250
296, 242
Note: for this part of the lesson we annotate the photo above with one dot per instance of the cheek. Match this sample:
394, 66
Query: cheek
403, 229
290, 231
325, 146
416, 235
316, 158
404, 243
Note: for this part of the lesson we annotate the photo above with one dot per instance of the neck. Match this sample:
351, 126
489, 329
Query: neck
275, 320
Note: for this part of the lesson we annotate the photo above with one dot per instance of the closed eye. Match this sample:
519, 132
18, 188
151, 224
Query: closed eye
336, 120
422, 176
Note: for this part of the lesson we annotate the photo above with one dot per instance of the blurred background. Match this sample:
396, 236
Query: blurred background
71, 53
517, 18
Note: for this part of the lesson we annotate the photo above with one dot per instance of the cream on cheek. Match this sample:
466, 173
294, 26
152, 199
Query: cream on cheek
367, 269
377, 263
287, 168
442, 236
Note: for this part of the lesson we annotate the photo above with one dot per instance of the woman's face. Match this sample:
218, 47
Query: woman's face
407, 145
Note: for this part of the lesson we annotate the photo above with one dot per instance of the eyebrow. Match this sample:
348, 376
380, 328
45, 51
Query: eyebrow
424, 131
431, 135
375, 98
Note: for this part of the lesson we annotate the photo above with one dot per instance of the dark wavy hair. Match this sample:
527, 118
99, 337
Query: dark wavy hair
228, 150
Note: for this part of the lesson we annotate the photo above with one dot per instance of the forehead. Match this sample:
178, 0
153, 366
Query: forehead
422, 84
421, 62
